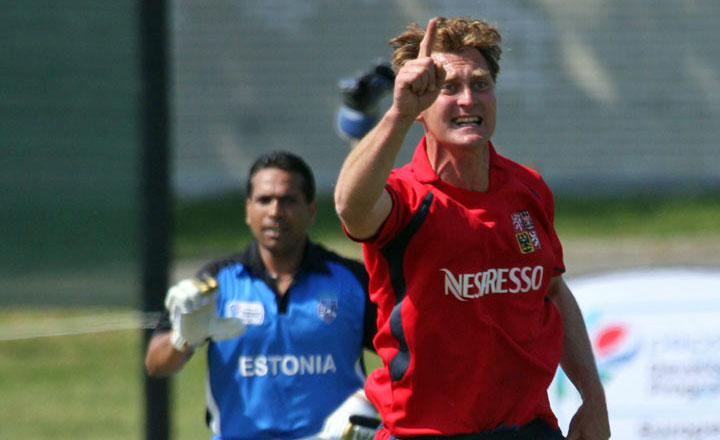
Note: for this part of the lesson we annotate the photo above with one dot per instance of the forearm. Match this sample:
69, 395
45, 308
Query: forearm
360, 197
360, 187
591, 420
577, 358
162, 358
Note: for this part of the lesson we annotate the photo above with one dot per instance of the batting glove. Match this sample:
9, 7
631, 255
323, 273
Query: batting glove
364, 91
338, 422
361, 95
192, 304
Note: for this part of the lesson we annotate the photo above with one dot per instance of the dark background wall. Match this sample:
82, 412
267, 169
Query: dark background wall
606, 96
70, 152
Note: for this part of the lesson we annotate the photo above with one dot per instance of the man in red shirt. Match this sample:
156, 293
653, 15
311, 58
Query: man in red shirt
465, 265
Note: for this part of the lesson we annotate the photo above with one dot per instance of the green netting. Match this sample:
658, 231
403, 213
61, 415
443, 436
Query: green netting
70, 153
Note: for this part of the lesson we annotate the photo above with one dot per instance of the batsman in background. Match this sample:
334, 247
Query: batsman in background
464, 262
286, 321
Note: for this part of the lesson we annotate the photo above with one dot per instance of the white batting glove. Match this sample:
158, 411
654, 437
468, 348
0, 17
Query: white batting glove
192, 304
338, 421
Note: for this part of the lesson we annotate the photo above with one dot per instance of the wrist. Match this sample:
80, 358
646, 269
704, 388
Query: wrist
179, 342
594, 394
400, 118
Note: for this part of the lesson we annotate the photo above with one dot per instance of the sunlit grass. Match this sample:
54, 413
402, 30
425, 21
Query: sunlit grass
87, 386
215, 226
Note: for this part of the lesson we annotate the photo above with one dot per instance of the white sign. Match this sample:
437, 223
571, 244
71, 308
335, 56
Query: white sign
656, 339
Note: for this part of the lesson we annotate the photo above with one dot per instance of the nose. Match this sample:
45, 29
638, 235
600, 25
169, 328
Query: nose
465, 97
274, 207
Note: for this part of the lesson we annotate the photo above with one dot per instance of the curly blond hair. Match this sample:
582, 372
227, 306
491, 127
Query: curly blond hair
451, 35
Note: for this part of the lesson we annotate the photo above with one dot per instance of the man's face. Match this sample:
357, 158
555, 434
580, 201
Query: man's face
277, 212
464, 114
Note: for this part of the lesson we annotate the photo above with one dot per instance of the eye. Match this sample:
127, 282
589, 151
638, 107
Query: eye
287, 200
449, 87
481, 84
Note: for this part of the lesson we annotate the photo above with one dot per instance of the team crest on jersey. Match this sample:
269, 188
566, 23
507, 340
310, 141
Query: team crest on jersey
525, 233
327, 308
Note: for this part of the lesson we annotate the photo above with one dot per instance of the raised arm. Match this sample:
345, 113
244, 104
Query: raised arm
590, 422
360, 197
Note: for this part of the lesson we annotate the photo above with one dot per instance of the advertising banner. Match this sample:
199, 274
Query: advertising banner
656, 339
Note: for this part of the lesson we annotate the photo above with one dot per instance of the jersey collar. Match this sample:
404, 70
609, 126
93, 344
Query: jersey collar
312, 260
421, 164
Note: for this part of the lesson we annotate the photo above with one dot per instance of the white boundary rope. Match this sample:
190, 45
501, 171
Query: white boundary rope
53, 326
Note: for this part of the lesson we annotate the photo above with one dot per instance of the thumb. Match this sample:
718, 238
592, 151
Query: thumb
226, 328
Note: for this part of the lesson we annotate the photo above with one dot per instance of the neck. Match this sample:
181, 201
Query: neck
464, 167
283, 264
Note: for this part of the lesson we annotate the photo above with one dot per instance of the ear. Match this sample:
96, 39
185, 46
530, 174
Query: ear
421, 119
247, 210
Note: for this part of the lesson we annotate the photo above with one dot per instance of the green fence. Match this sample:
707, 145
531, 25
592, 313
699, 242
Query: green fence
70, 152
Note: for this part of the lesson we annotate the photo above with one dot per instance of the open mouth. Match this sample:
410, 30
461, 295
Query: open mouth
274, 231
467, 121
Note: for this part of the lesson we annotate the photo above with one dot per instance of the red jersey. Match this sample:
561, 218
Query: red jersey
467, 336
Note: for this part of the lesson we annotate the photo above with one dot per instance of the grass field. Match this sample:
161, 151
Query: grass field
76, 373
212, 226
86, 386
83, 386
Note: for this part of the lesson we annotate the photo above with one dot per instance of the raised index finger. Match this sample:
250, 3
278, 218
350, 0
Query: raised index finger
426, 43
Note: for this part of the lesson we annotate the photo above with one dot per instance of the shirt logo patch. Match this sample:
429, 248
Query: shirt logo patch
525, 233
327, 308
251, 313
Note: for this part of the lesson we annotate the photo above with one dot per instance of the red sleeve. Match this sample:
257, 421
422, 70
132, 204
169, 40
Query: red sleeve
406, 196
556, 245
